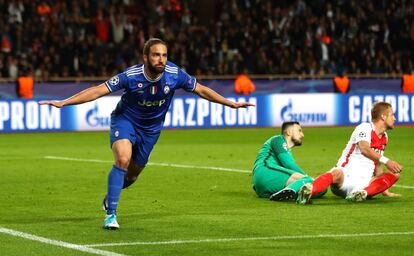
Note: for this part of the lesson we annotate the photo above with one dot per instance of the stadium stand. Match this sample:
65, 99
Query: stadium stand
88, 38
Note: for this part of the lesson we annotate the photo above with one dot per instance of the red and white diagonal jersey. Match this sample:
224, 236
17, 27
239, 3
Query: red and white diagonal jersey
352, 158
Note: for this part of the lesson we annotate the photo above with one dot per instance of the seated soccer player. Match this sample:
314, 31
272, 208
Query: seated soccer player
275, 174
358, 173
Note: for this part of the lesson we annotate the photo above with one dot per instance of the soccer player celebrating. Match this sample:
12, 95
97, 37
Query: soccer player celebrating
358, 173
275, 174
138, 118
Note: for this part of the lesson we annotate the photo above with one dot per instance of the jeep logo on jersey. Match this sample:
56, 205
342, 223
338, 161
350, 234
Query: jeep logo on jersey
114, 80
148, 103
153, 90
166, 89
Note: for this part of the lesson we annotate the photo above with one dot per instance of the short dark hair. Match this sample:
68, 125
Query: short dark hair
286, 125
378, 109
153, 41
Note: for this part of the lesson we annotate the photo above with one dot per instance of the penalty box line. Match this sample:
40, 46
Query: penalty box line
58, 243
246, 239
174, 166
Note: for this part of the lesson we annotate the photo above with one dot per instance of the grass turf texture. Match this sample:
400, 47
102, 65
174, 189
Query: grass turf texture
61, 200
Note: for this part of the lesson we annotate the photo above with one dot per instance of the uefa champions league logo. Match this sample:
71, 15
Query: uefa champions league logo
114, 80
362, 135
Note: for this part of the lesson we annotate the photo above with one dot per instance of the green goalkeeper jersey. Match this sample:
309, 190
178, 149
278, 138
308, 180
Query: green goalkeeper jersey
275, 154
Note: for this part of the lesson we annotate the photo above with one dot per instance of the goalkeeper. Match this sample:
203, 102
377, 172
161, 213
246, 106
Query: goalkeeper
275, 174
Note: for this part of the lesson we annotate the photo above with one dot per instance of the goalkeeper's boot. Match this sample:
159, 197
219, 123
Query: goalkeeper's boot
304, 194
285, 194
110, 222
357, 196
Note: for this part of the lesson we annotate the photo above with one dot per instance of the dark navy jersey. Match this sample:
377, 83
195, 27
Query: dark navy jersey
145, 102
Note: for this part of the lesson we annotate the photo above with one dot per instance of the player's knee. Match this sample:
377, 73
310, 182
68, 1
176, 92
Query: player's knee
337, 174
296, 176
122, 162
396, 175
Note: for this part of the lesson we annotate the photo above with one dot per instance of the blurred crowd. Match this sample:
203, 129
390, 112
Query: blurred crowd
65, 38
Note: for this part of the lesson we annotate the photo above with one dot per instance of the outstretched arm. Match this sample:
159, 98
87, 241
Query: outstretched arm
86, 95
210, 95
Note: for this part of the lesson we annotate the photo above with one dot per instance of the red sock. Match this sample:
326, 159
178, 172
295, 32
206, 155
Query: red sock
380, 184
321, 183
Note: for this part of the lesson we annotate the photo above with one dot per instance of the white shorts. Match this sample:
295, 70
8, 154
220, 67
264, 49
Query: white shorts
354, 180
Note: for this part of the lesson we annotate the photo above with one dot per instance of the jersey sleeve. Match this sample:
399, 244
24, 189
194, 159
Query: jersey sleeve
283, 154
362, 133
117, 82
185, 81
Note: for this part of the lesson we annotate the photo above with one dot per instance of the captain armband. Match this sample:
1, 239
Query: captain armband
383, 159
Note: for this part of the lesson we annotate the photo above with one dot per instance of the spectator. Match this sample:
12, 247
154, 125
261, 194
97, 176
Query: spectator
117, 24
407, 84
25, 84
102, 26
6, 41
341, 83
297, 37
243, 84
13, 67
15, 10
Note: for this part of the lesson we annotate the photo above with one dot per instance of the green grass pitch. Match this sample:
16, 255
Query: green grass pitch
192, 211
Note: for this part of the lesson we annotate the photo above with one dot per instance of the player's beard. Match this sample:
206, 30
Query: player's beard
154, 70
297, 142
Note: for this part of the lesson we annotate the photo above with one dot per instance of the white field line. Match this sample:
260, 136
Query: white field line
238, 239
44, 240
403, 186
151, 163
174, 166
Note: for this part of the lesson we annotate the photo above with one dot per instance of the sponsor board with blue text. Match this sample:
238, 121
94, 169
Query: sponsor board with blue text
308, 109
357, 108
194, 112
322, 109
28, 116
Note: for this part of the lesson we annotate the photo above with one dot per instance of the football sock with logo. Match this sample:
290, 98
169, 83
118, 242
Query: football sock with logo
115, 184
380, 184
297, 184
321, 183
